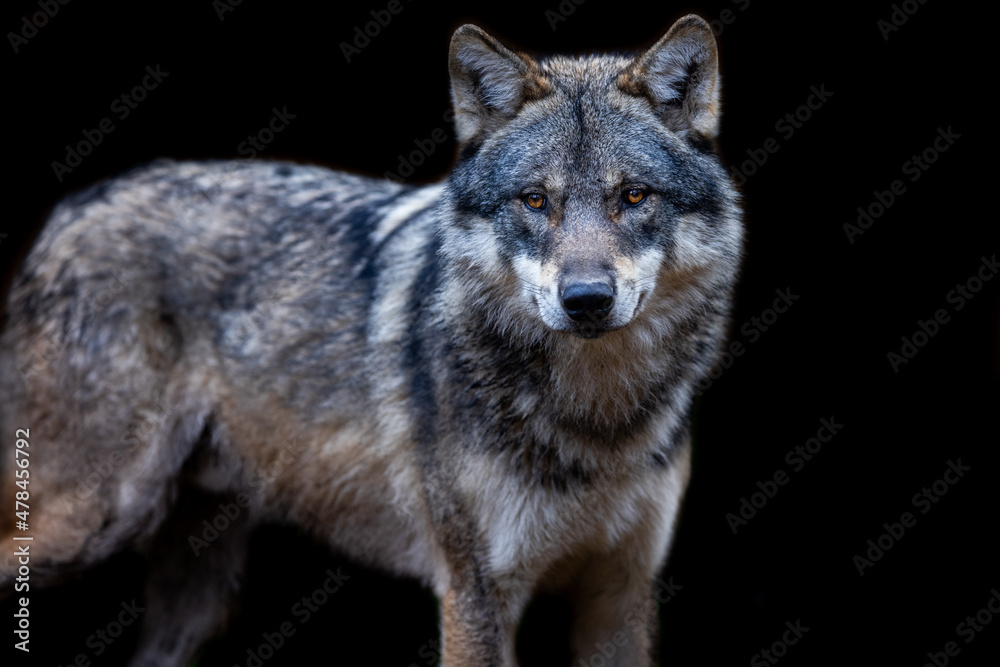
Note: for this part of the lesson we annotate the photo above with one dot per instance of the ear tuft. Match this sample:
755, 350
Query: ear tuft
489, 82
680, 76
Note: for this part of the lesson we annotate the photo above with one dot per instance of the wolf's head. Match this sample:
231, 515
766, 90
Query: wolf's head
587, 191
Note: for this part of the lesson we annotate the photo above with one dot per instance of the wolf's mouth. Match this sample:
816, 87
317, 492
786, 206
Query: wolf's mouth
639, 302
591, 330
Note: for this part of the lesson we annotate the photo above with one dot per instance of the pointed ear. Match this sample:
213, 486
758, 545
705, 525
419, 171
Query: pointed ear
680, 76
489, 82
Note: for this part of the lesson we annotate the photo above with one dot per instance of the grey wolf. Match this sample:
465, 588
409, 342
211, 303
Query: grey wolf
483, 383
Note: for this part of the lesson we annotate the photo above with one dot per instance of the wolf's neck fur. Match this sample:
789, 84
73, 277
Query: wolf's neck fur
613, 381
604, 388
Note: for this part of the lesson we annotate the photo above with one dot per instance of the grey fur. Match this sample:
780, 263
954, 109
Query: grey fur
345, 353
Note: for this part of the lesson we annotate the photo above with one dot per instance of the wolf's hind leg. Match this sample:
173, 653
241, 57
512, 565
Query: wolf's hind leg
192, 582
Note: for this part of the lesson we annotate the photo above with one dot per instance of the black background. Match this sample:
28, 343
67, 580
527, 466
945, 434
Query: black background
824, 358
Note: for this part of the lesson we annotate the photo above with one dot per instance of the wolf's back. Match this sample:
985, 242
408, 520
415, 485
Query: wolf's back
147, 294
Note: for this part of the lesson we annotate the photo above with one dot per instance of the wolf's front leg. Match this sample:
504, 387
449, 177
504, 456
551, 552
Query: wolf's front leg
618, 593
479, 617
614, 614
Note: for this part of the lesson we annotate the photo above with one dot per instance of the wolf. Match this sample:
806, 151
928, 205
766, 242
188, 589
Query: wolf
483, 383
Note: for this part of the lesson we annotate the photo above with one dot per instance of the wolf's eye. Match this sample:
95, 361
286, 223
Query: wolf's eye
535, 201
634, 196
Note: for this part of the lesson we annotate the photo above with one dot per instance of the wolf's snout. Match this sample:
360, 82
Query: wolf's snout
589, 301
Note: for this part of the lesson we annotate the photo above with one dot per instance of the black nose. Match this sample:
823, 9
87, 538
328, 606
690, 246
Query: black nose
588, 301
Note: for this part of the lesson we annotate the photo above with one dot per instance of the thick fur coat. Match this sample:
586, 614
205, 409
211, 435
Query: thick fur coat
484, 384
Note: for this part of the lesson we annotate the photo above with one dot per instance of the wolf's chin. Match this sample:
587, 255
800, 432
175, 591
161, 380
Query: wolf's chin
587, 332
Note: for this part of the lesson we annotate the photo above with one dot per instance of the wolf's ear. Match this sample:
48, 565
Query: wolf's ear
489, 82
680, 75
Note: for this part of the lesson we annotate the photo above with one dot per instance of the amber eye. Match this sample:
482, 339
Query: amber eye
535, 201
634, 196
